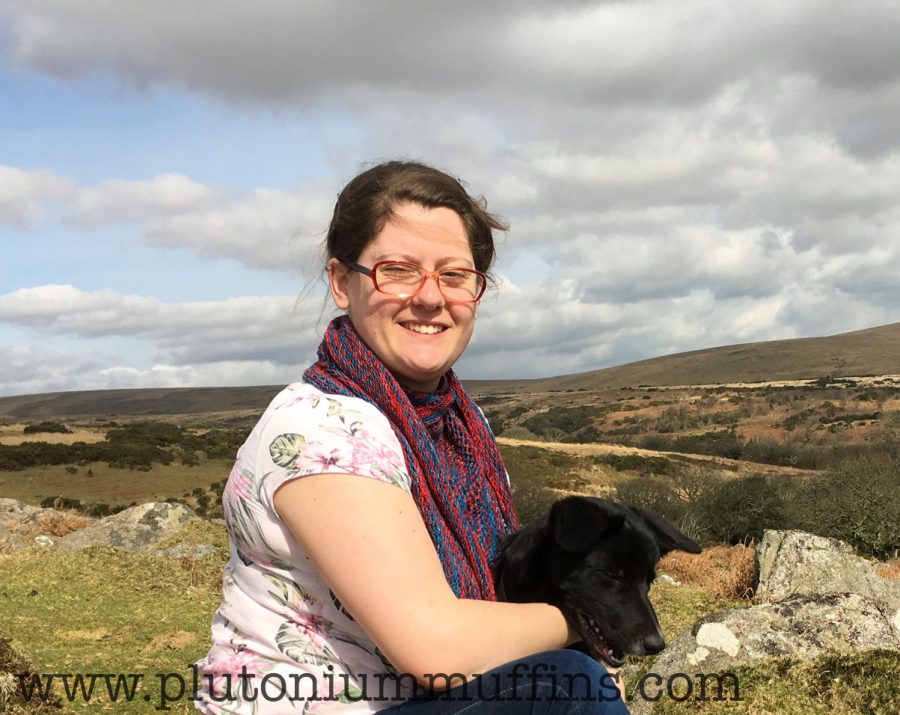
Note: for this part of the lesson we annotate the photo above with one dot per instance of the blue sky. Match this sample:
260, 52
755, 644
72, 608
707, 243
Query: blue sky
676, 176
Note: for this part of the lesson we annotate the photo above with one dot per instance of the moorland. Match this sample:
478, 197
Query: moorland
724, 442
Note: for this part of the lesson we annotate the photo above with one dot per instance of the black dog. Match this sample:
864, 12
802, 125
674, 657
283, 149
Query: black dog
595, 560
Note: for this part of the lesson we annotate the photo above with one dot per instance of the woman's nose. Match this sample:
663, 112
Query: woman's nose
429, 294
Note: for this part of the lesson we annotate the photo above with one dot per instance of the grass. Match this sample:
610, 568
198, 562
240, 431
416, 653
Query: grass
114, 486
105, 611
722, 571
836, 685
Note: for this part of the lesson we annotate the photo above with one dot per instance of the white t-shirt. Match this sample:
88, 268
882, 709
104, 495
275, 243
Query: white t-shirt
280, 634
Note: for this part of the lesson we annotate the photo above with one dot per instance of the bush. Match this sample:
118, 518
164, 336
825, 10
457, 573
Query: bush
856, 502
718, 443
652, 495
53, 427
563, 420
60, 503
532, 502
737, 510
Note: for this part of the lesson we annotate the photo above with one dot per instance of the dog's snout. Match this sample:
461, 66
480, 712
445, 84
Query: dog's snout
653, 643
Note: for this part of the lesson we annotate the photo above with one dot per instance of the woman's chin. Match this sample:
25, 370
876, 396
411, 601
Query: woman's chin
421, 379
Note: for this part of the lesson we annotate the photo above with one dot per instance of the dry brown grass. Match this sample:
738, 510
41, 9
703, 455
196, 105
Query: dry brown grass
57, 523
723, 571
890, 569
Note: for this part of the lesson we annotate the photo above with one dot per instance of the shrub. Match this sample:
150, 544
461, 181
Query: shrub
563, 420
46, 426
652, 495
737, 510
855, 501
719, 443
60, 503
532, 501
656, 442
99, 510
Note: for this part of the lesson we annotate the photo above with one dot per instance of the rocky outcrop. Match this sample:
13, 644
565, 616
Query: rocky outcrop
794, 562
19, 524
815, 596
139, 528
136, 529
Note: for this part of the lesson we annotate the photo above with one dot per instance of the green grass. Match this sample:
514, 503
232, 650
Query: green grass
839, 685
101, 610
105, 611
111, 485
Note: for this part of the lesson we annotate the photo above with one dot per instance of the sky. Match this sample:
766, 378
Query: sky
676, 175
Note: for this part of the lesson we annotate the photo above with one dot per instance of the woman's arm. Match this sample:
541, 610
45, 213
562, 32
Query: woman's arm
369, 542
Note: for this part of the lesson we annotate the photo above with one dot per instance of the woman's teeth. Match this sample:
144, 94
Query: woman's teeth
426, 329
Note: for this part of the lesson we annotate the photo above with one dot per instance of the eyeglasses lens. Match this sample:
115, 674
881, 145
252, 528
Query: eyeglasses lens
402, 279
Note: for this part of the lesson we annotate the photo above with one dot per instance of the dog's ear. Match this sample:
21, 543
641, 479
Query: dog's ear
578, 523
668, 538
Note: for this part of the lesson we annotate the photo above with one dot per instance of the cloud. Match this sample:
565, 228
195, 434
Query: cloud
267, 228
676, 175
23, 191
29, 370
259, 328
119, 200
606, 52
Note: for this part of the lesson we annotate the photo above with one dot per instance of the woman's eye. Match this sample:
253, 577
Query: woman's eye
398, 271
455, 276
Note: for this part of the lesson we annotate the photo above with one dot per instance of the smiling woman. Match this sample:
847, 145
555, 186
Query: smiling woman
368, 503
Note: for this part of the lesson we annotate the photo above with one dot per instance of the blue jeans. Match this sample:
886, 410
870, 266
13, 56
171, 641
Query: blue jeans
555, 682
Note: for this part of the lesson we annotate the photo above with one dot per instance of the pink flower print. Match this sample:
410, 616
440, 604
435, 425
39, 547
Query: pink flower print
317, 458
311, 627
227, 671
240, 483
369, 450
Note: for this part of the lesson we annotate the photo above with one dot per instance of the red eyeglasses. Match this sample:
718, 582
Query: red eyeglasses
404, 280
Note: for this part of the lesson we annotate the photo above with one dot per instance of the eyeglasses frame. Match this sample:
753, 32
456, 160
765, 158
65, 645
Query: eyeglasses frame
370, 272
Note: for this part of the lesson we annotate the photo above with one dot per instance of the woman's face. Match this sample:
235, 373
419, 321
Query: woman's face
431, 238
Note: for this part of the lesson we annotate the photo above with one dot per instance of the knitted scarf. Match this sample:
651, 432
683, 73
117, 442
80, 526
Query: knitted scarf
457, 476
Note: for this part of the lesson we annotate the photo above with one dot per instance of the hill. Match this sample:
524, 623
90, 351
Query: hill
874, 351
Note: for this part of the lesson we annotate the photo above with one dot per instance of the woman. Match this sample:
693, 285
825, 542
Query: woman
365, 507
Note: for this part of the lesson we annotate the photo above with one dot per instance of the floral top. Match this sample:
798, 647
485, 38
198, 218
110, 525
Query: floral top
281, 640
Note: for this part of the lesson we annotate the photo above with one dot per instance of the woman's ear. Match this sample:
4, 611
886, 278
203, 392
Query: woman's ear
338, 278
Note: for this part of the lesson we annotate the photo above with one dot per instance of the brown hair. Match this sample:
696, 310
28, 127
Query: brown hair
368, 202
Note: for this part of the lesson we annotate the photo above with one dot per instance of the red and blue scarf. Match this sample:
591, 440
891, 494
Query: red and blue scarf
456, 473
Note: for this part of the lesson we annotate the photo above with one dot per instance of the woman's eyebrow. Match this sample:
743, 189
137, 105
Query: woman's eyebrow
465, 262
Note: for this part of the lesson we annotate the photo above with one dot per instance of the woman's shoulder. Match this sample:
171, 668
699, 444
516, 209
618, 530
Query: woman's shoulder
301, 398
310, 431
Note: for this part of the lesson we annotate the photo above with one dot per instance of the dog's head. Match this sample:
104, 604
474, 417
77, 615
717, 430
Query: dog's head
595, 560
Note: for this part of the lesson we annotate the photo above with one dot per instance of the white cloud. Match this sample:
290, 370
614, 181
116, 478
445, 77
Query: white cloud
23, 191
260, 328
270, 229
676, 175
30, 370
119, 200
